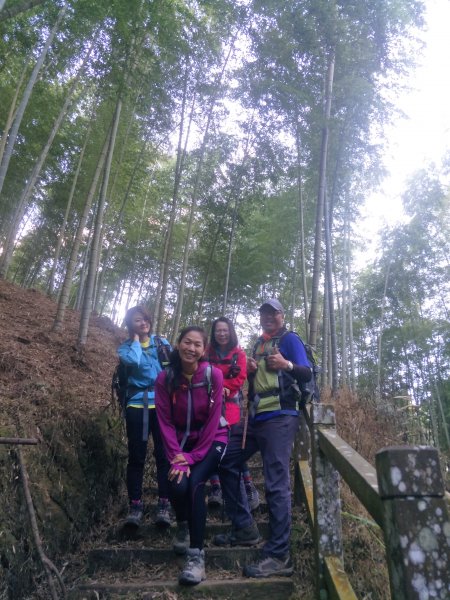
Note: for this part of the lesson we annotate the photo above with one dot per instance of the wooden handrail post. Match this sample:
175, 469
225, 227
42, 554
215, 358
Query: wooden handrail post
416, 522
327, 503
302, 452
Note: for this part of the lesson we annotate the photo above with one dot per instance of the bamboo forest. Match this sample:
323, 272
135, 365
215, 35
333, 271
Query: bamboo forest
199, 156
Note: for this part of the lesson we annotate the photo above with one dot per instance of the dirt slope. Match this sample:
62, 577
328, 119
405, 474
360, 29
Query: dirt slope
49, 391
31, 354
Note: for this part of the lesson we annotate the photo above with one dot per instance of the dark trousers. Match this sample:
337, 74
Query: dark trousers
274, 439
188, 496
137, 452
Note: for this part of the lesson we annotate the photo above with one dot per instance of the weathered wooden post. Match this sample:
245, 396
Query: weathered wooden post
302, 453
416, 522
327, 503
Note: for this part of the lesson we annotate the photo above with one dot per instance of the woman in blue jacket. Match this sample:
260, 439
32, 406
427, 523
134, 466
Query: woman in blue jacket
140, 356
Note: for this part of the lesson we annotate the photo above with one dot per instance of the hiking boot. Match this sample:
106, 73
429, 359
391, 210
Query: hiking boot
269, 567
252, 495
194, 567
215, 497
135, 513
182, 539
163, 513
247, 536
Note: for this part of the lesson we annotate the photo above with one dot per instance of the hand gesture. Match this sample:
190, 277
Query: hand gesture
276, 361
252, 365
175, 473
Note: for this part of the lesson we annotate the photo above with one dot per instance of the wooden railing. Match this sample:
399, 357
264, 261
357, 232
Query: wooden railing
404, 494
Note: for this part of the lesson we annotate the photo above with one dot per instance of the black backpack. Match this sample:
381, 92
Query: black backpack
119, 381
306, 391
233, 370
310, 390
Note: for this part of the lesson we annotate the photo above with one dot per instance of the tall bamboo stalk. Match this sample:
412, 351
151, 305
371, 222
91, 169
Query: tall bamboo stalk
314, 316
71, 264
96, 240
12, 137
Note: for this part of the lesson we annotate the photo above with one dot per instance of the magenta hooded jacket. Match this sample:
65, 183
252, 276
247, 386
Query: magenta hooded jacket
171, 410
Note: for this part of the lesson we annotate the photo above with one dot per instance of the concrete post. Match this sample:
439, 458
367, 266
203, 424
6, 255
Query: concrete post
327, 503
416, 522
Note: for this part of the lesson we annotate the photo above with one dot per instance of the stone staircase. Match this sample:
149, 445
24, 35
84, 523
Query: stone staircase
141, 565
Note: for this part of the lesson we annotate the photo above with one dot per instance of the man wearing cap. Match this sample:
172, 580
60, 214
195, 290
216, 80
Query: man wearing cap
279, 362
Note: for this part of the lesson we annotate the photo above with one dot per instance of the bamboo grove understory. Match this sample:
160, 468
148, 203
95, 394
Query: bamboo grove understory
200, 156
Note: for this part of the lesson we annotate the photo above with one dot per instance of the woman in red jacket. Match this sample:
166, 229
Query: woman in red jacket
224, 352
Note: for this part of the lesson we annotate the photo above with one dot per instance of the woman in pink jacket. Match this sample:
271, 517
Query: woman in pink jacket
189, 407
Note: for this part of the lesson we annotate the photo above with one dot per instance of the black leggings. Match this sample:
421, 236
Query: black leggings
137, 452
188, 496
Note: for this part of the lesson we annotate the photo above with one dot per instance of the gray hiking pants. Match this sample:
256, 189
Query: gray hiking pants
274, 439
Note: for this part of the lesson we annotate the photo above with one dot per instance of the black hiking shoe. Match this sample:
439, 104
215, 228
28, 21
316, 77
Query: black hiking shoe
247, 536
181, 540
270, 567
162, 518
135, 514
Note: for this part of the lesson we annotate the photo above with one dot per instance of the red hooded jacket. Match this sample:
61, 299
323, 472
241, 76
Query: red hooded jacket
232, 382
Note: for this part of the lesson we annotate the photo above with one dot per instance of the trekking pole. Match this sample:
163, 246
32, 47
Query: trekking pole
243, 442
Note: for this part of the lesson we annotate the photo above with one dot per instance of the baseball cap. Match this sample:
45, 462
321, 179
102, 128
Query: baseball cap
273, 302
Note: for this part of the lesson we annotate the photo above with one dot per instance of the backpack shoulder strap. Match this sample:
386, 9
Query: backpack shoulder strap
255, 346
168, 379
208, 373
163, 349
206, 380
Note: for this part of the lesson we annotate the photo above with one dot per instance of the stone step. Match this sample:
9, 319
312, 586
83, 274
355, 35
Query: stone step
154, 535
122, 558
239, 588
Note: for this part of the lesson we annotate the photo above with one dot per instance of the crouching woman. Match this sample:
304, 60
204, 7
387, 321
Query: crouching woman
189, 408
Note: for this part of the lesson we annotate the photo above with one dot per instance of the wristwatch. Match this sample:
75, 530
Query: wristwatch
290, 366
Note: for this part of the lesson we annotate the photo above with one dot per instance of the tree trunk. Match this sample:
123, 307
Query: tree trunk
51, 283
230, 251
302, 233
164, 276
219, 78
351, 341
329, 288
344, 337
314, 320
25, 99
325, 377
118, 219
236, 194
96, 240
12, 113
208, 270
380, 335
67, 285
83, 272
22, 203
